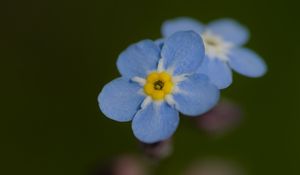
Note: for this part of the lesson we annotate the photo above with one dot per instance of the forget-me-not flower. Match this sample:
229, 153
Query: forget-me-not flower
158, 83
223, 40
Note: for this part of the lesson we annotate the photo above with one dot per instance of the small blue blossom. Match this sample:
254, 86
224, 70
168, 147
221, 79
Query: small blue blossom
156, 84
223, 40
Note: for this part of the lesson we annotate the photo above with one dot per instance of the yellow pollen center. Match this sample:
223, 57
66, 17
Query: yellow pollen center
158, 85
211, 42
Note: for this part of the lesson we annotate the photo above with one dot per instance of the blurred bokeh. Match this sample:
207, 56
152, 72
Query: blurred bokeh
57, 55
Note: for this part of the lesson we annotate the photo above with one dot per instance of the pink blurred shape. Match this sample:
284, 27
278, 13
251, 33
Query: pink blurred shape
159, 150
223, 118
128, 165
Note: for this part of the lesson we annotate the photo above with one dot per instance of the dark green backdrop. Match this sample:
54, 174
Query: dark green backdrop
56, 56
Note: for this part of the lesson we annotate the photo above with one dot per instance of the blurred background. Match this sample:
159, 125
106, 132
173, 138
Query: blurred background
57, 55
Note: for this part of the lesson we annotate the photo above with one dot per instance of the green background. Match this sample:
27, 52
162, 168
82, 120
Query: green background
56, 57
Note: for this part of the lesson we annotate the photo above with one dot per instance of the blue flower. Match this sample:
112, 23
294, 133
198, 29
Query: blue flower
223, 40
158, 83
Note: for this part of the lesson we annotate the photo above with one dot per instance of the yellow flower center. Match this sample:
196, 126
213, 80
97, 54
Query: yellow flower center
158, 85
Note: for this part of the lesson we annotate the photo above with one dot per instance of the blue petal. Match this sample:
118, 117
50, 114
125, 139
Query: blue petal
247, 62
230, 30
155, 123
183, 52
196, 96
159, 42
218, 72
181, 24
138, 59
119, 99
